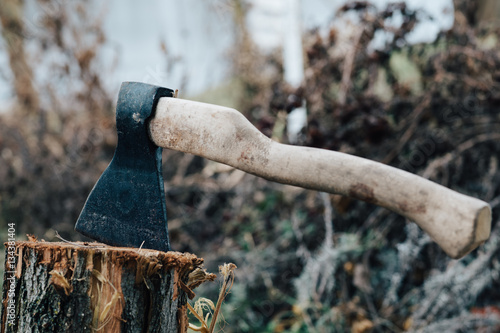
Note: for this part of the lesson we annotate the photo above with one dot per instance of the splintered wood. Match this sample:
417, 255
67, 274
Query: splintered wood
92, 287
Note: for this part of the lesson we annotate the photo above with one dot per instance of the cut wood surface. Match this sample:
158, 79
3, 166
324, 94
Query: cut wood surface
91, 287
458, 223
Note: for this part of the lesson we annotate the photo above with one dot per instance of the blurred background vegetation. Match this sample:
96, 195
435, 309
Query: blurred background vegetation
307, 261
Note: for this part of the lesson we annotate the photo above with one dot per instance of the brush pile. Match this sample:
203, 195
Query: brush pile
310, 262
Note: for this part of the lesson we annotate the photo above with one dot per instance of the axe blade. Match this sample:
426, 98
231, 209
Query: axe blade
127, 205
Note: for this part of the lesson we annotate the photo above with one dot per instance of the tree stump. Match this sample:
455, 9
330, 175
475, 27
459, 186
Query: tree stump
92, 287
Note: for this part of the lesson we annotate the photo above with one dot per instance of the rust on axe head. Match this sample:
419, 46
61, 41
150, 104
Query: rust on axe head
127, 205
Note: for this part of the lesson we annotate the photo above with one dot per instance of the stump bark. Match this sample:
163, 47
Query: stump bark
91, 287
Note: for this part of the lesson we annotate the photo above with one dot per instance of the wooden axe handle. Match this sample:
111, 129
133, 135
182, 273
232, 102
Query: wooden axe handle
456, 222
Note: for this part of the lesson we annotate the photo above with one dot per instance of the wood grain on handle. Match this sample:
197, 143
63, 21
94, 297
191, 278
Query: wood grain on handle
458, 223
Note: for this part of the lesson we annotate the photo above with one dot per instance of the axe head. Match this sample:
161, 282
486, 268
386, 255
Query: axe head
127, 204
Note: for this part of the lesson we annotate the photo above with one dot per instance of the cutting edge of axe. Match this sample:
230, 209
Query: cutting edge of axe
456, 222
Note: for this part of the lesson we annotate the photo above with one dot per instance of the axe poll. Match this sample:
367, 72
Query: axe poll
456, 222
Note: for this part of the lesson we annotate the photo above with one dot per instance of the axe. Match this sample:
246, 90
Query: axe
127, 205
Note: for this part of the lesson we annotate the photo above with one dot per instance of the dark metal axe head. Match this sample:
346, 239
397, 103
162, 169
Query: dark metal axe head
127, 205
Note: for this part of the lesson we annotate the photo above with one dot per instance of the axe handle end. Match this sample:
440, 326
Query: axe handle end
456, 222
